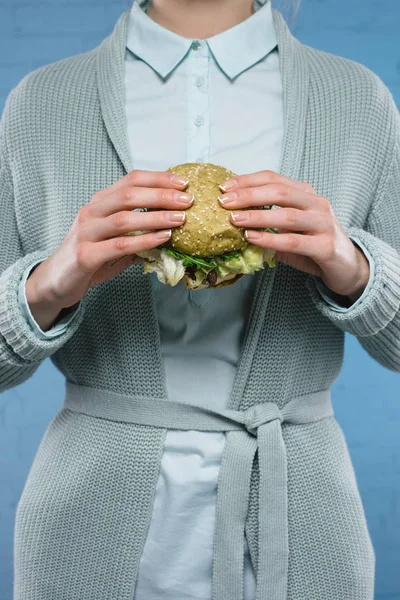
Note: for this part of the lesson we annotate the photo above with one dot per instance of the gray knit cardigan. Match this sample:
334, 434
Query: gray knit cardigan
286, 480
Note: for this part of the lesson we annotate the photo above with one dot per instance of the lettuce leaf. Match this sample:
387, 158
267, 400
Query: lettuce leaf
170, 264
167, 269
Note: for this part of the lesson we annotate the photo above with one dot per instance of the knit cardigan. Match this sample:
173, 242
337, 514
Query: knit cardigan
82, 519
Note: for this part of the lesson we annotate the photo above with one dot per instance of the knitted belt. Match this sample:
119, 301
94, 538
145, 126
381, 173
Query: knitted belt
258, 427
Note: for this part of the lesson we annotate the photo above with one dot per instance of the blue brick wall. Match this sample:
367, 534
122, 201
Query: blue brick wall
366, 396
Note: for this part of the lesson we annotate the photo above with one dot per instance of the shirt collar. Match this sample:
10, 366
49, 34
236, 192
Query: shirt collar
235, 49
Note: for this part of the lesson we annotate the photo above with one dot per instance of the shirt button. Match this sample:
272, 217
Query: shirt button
196, 45
199, 81
199, 120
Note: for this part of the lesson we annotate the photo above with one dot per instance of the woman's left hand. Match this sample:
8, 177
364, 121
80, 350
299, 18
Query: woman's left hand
310, 237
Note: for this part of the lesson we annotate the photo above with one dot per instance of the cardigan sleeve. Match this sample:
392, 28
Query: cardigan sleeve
21, 351
376, 320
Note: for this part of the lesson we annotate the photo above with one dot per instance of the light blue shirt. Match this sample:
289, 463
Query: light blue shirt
217, 100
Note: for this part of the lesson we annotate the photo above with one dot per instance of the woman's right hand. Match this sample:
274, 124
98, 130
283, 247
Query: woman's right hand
97, 238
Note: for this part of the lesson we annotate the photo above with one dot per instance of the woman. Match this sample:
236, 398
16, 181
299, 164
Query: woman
196, 454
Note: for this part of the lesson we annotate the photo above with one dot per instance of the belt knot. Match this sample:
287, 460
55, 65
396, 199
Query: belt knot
260, 414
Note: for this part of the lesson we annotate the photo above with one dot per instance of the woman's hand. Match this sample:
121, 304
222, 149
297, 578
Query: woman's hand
100, 234
310, 238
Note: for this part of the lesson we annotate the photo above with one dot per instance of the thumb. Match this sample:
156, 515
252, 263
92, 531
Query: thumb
122, 264
109, 270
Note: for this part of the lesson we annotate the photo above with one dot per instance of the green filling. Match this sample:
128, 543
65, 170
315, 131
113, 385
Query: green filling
205, 263
248, 260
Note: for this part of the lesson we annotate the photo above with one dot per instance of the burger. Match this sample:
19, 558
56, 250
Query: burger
207, 250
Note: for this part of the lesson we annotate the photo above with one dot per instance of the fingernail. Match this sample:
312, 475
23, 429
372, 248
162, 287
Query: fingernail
184, 198
178, 217
226, 198
252, 235
162, 235
179, 180
239, 216
228, 184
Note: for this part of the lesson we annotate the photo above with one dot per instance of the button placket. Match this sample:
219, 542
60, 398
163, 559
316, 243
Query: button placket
198, 128
198, 102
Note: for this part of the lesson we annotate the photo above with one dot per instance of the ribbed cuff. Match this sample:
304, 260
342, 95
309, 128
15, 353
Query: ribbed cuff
63, 320
13, 326
335, 300
381, 303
